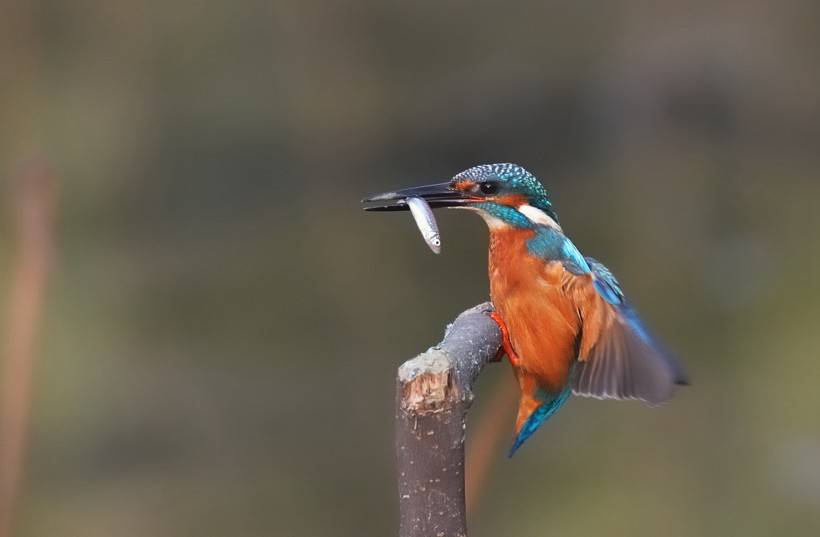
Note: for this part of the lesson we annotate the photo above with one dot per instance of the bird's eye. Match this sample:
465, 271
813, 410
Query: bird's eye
488, 188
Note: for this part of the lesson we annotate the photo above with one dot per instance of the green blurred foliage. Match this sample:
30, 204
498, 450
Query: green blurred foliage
224, 323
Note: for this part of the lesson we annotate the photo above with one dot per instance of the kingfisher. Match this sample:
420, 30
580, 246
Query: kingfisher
567, 327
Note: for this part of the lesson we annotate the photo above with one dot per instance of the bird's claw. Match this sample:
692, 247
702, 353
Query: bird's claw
506, 346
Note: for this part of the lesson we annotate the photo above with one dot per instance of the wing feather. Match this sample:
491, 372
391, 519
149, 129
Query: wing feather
623, 361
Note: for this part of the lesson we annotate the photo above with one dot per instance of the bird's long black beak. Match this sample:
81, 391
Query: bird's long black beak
437, 195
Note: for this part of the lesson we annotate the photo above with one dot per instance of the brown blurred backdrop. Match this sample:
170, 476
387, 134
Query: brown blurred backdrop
223, 323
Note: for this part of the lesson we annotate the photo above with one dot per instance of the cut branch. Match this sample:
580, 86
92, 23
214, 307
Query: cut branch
433, 394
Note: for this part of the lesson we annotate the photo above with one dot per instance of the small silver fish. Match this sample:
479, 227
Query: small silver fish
426, 222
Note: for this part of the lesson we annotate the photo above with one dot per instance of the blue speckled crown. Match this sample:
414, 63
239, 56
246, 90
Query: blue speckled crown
515, 178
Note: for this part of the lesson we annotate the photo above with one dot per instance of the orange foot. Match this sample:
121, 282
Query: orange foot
506, 346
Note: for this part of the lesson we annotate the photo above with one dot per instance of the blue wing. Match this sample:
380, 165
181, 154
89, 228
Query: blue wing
626, 362
552, 245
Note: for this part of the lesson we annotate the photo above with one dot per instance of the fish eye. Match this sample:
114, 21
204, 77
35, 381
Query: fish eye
488, 188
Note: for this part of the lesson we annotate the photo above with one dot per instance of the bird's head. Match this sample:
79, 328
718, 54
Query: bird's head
503, 194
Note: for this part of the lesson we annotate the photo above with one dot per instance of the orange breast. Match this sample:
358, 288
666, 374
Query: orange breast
542, 318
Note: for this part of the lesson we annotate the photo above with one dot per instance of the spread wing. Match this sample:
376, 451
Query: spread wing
623, 361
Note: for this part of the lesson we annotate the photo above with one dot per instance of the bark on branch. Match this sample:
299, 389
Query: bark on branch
433, 394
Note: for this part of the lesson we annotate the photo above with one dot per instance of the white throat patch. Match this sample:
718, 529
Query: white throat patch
493, 222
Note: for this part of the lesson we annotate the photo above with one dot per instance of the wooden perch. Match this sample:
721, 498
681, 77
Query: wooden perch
433, 394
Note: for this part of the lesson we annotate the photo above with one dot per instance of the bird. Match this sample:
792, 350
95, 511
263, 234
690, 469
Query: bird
567, 327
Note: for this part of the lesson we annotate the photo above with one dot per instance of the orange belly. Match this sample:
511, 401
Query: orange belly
543, 322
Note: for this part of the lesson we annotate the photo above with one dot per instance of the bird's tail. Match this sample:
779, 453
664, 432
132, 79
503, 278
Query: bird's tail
536, 406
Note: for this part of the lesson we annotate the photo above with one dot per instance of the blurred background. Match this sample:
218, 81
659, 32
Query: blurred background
222, 323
